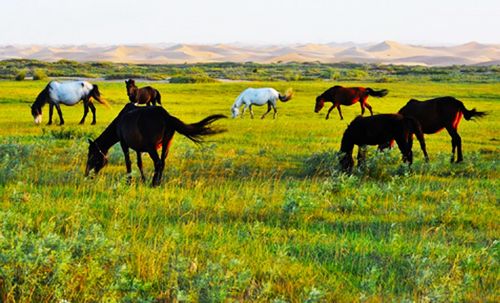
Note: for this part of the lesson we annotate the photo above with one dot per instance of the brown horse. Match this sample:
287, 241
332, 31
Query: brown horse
436, 114
378, 129
144, 95
339, 95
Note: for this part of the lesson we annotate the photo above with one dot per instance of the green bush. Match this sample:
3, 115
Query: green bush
39, 74
192, 79
20, 75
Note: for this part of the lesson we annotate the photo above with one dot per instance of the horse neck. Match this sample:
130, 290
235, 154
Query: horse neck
42, 97
108, 137
347, 144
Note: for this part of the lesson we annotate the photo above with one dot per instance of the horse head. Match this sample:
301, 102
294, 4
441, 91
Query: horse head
320, 102
36, 112
130, 84
235, 111
96, 159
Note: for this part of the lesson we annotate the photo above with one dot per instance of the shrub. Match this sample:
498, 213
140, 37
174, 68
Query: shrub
193, 79
39, 74
20, 75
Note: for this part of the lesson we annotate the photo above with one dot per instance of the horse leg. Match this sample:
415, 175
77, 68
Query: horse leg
456, 142
92, 108
251, 111
165, 147
340, 112
157, 163
51, 112
139, 165
243, 111
59, 112
128, 163
275, 111
329, 110
85, 110
369, 108
268, 110
361, 155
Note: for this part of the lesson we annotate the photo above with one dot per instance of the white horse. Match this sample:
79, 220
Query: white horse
259, 96
67, 93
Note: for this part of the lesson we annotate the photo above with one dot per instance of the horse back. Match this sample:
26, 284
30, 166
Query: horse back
434, 114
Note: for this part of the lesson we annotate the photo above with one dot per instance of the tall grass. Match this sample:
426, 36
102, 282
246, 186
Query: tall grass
260, 213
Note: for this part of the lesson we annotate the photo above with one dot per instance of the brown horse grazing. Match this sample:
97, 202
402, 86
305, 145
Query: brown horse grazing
436, 114
144, 95
339, 95
145, 129
377, 129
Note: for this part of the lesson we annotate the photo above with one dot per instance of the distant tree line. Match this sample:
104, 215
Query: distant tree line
21, 69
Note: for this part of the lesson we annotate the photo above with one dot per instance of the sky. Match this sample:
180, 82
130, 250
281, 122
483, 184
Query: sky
430, 22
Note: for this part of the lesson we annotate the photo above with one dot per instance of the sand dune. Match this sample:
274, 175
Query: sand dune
386, 52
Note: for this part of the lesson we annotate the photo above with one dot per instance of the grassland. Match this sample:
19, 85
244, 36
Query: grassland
260, 213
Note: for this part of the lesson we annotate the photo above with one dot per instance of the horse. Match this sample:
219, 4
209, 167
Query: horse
145, 129
378, 129
339, 95
436, 114
67, 93
259, 96
144, 95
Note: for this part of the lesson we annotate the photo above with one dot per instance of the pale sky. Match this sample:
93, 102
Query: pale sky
433, 22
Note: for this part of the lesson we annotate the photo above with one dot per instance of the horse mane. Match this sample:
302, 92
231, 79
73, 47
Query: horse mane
42, 97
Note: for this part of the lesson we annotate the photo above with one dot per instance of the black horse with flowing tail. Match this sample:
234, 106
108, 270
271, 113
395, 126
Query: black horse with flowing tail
144, 95
378, 129
145, 129
441, 113
339, 95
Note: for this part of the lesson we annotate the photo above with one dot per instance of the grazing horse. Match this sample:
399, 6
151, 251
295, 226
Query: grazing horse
259, 96
378, 129
145, 129
144, 95
436, 114
67, 93
339, 95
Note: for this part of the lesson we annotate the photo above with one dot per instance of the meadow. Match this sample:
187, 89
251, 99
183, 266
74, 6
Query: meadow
260, 213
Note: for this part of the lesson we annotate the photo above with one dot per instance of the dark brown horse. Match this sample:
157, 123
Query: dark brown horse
441, 113
339, 95
377, 129
144, 95
145, 129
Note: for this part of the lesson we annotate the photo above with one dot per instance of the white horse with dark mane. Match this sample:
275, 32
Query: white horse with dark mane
67, 93
259, 97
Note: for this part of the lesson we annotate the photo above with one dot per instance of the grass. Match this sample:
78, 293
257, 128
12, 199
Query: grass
260, 213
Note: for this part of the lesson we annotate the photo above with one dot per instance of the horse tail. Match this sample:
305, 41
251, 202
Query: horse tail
377, 93
288, 95
469, 114
95, 88
158, 97
196, 131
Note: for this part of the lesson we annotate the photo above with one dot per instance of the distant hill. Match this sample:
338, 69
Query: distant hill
386, 52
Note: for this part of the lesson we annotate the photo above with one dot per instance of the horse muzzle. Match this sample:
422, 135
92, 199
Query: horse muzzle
38, 119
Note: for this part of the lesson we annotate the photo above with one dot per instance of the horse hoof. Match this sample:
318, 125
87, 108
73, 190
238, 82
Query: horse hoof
93, 123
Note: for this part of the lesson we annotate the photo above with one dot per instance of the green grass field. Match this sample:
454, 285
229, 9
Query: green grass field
260, 213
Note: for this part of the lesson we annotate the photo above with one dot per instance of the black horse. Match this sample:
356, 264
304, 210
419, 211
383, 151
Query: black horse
378, 129
144, 95
145, 129
439, 113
